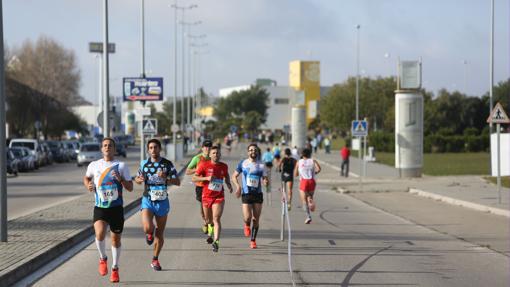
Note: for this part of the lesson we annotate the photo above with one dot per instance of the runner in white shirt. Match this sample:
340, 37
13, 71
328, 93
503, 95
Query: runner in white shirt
307, 168
107, 178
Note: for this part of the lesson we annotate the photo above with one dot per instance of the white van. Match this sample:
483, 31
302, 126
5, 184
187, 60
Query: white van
32, 145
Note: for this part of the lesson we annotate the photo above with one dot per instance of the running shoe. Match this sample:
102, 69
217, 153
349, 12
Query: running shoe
155, 265
289, 206
149, 238
103, 266
253, 244
215, 246
115, 275
308, 220
204, 228
209, 240
247, 231
311, 204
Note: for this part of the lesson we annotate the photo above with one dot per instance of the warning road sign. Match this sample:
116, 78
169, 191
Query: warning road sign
150, 126
359, 128
498, 115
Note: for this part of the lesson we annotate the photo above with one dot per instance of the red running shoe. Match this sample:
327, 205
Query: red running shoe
247, 231
253, 244
155, 265
114, 278
103, 266
149, 238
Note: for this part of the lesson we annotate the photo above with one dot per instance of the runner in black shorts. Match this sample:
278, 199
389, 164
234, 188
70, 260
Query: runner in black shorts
254, 174
286, 167
107, 178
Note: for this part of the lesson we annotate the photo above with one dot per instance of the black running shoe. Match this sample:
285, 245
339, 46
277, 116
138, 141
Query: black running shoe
209, 240
215, 246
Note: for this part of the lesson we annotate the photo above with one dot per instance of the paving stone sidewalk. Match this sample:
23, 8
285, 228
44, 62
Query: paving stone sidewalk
38, 238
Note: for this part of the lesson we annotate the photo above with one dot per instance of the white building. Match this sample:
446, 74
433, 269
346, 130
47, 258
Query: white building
279, 104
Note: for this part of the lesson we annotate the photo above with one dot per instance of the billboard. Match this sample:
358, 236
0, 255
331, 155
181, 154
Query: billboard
143, 89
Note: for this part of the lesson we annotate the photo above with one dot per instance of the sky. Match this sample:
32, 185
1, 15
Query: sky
250, 39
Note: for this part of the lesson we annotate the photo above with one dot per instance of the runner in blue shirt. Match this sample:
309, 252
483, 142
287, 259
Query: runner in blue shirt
254, 175
157, 173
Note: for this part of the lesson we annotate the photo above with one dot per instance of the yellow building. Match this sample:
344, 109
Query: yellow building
304, 77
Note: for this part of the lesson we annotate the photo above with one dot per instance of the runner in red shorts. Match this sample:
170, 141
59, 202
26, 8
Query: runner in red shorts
213, 174
307, 168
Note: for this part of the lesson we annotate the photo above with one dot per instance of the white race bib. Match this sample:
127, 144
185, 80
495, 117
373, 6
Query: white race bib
158, 193
252, 180
215, 185
108, 192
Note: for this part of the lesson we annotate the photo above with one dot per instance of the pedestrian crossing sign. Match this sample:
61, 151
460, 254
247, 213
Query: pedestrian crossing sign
359, 128
498, 115
150, 126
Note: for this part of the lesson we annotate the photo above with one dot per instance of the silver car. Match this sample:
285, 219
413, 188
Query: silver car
89, 152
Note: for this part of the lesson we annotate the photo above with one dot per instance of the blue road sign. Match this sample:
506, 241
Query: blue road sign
143, 89
359, 128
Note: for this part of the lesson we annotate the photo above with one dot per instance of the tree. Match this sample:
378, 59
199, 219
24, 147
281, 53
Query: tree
247, 107
47, 67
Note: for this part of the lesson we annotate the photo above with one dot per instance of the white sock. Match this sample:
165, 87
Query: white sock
116, 256
101, 248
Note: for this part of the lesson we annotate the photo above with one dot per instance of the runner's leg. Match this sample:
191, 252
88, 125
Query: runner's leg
160, 234
257, 210
217, 211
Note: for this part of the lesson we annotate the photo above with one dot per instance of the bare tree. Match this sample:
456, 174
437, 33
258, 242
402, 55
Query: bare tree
47, 67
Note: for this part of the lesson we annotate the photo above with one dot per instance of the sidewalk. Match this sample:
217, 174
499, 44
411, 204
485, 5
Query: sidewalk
38, 238
470, 191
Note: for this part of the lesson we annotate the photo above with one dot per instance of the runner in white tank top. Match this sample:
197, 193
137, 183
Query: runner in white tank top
307, 168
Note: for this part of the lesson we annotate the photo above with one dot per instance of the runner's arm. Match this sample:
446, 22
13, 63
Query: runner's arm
317, 166
227, 181
89, 184
296, 171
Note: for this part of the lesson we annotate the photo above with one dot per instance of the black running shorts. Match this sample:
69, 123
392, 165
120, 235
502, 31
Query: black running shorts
114, 216
251, 198
287, 177
198, 193
269, 164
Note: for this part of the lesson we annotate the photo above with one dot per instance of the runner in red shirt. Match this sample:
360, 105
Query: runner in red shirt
213, 174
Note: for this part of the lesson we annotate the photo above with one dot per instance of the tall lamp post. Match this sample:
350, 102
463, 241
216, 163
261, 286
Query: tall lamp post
183, 9
184, 34
192, 92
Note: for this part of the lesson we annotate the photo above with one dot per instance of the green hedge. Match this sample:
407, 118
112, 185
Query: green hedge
436, 143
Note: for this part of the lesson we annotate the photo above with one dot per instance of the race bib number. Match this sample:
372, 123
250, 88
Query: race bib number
158, 193
108, 192
253, 181
215, 185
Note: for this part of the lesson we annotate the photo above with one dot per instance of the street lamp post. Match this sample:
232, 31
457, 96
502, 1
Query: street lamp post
191, 78
106, 86
184, 34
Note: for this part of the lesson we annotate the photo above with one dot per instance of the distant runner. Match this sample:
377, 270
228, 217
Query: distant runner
157, 173
213, 174
286, 167
253, 175
107, 178
307, 168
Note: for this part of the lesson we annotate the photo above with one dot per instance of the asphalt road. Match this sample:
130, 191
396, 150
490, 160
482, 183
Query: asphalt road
50, 185
349, 243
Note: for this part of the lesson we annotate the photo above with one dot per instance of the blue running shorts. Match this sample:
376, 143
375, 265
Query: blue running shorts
158, 207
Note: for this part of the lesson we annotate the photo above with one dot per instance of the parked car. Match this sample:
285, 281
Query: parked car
47, 155
74, 148
58, 151
32, 145
89, 152
26, 158
120, 150
12, 163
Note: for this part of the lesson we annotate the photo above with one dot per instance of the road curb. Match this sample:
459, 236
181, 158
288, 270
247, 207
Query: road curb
458, 202
43, 257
